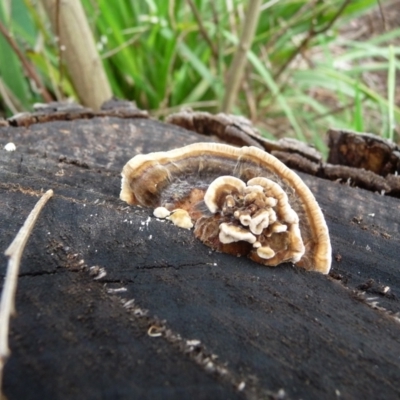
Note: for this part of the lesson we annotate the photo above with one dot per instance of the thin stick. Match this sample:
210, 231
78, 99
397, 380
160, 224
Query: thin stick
14, 252
383, 16
9, 99
236, 70
312, 33
29, 70
202, 28
59, 47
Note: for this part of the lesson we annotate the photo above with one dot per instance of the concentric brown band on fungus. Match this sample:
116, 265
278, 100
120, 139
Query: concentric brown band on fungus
243, 201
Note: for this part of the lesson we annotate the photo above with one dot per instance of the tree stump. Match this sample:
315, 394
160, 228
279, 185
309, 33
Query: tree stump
114, 303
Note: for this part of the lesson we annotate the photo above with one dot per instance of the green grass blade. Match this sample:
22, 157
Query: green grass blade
391, 87
11, 70
269, 81
358, 117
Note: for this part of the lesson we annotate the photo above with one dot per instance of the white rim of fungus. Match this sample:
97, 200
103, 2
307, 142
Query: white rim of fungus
245, 219
209, 197
254, 188
259, 222
231, 233
265, 252
278, 227
272, 216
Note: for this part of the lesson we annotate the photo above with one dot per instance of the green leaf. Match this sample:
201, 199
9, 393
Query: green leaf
11, 70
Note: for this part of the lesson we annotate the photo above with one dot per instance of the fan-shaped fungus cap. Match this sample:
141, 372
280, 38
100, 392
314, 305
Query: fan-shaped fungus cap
244, 195
219, 189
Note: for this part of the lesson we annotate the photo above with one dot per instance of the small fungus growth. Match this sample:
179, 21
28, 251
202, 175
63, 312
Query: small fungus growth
259, 214
181, 218
241, 201
10, 147
161, 212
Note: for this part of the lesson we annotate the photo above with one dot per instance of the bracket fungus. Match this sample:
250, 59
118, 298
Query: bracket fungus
242, 201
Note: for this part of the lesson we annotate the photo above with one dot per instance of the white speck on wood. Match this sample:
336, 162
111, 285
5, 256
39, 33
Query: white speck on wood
10, 147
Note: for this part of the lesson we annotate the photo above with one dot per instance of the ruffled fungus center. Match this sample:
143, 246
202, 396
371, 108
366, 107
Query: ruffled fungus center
254, 219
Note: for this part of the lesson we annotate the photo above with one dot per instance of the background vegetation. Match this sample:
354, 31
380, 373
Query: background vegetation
312, 64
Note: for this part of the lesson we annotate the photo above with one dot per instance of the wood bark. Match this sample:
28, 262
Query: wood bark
113, 303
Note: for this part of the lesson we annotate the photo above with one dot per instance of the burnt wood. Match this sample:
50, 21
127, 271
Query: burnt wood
202, 324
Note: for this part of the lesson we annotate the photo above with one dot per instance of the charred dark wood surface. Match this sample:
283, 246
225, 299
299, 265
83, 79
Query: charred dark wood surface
201, 323
363, 151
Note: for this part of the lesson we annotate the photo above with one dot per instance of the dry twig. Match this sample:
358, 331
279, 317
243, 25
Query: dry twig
14, 252
236, 70
28, 68
312, 33
383, 17
202, 29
